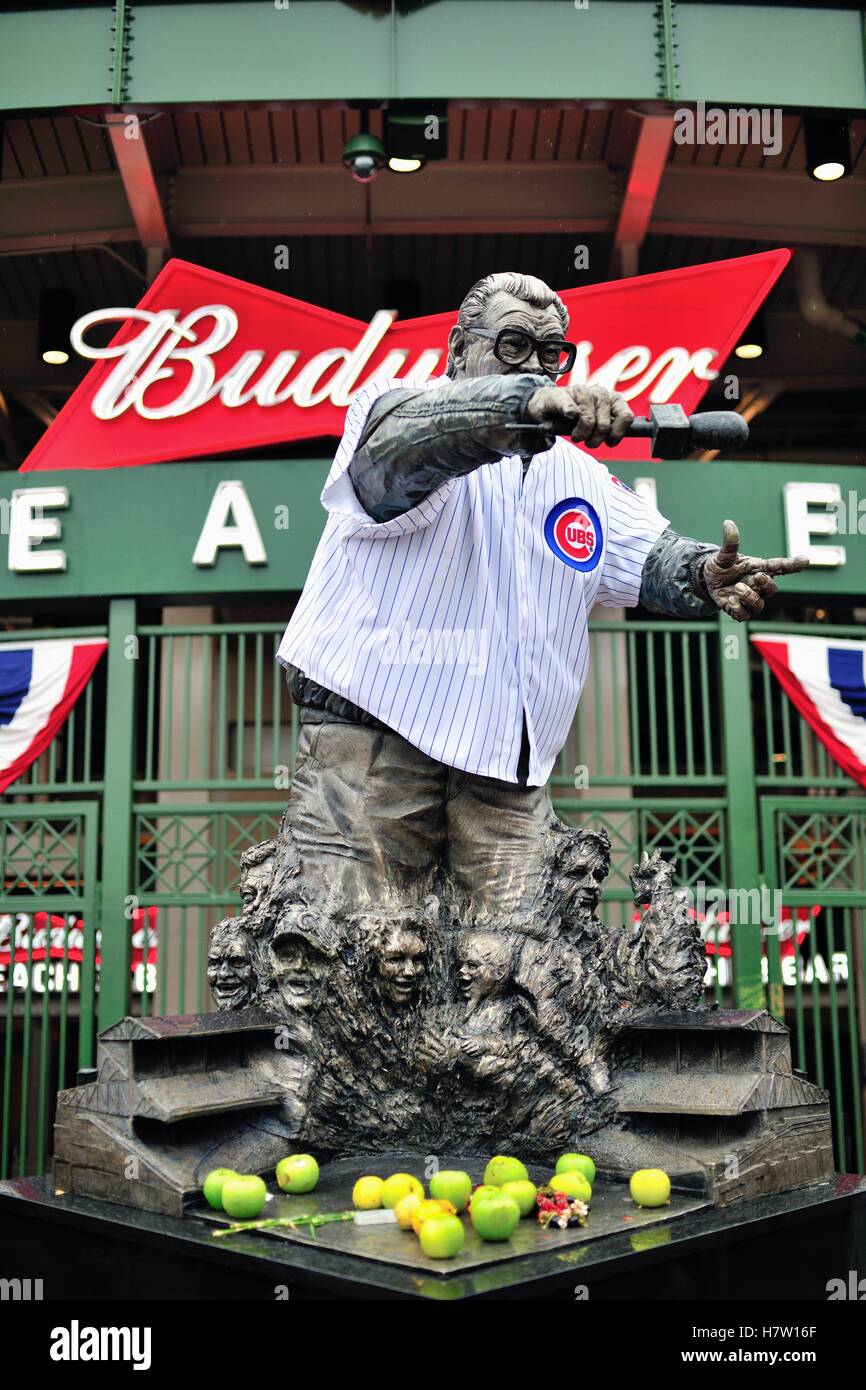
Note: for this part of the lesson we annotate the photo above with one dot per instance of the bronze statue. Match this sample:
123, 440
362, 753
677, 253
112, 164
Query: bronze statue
424, 917
420, 964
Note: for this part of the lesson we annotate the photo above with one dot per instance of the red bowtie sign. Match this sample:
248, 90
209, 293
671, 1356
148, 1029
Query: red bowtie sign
206, 364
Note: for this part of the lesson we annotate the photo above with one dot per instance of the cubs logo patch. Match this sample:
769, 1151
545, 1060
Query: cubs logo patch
573, 532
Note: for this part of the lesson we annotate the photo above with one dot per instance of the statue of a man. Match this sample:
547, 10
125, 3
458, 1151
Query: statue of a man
440, 646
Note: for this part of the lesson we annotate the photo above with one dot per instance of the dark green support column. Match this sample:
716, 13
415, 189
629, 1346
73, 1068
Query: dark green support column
115, 926
743, 856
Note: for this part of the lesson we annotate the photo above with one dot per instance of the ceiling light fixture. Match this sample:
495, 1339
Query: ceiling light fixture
753, 341
56, 317
415, 133
828, 147
404, 166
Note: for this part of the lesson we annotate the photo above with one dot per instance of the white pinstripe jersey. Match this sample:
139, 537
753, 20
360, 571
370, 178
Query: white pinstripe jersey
452, 620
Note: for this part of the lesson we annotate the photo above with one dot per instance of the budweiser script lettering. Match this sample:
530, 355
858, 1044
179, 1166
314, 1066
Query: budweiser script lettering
170, 348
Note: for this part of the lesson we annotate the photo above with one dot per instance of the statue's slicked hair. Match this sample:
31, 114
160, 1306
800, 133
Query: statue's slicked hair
229, 929
528, 287
258, 854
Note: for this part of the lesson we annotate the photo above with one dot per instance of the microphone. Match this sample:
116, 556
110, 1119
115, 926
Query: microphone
675, 434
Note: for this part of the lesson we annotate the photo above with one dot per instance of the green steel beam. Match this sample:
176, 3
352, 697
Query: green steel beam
55, 58
120, 51
322, 50
116, 883
666, 49
771, 55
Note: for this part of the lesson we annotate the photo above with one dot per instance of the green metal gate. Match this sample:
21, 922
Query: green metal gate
814, 854
48, 854
181, 753
186, 868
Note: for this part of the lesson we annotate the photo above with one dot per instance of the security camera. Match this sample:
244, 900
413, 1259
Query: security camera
364, 156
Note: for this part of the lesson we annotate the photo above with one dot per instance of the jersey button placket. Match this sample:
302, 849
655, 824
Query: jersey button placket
520, 575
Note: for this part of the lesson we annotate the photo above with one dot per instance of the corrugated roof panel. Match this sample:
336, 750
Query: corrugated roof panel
285, 137
236, 137
217, 146
547, 134
94, 276
474, 140
309, 142
598, 125
25, 155
188, 136
340, 273
523, 134
332, 134
50, 153
499, 134
260, 132
68, 133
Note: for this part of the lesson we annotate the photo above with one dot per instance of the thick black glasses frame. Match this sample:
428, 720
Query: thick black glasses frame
538, 344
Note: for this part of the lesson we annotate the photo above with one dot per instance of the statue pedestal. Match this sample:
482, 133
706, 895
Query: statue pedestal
770, 1248
709, 1095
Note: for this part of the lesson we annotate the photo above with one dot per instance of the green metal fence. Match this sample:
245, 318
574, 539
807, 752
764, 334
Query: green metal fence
49, 856
814, 854
181, 753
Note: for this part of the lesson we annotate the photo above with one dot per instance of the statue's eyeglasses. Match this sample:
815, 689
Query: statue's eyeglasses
514, 346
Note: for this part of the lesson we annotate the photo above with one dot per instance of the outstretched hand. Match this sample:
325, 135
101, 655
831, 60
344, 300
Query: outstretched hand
740, 584
590, 415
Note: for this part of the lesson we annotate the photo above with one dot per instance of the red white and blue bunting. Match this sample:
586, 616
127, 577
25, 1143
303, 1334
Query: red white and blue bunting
39, 683
825, 677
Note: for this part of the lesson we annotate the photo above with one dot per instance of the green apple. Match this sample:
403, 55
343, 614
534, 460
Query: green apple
495, 1218
650, 1187
441, 1237
576, 1163
213, 1186
452, 1185
502, 1169
244, 1196
483, 1190
524, 1193
297, 1173
573, 1185
399, 1185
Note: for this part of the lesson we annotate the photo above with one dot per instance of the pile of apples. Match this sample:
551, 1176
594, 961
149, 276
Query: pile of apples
243, 1195
494, 1208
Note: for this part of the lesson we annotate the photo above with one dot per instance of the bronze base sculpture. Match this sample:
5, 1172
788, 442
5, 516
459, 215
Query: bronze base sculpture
530, 1032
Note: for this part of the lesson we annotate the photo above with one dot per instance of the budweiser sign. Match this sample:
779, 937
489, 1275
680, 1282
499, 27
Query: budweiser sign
206, 364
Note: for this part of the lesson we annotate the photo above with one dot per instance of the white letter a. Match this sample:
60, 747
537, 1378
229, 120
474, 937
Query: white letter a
230, 524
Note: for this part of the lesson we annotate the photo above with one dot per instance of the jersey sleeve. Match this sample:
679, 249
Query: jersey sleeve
338, 495
633, 527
